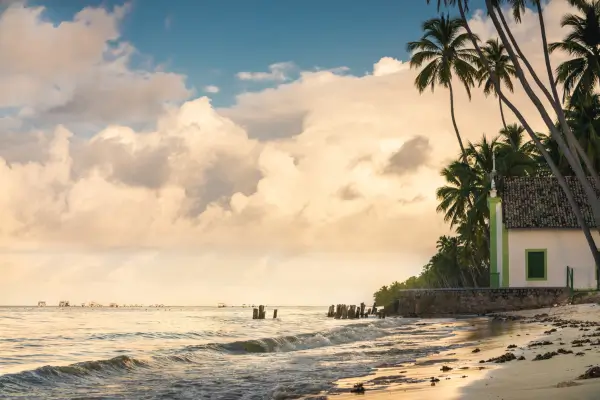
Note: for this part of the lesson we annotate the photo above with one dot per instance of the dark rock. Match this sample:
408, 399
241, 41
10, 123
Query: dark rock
542, 343
591, 373
545, 356
512, 346
477, 350
445, 368
522, 358
503, 358
358, 389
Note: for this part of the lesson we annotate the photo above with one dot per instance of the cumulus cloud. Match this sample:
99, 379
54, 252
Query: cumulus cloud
326, 176
212, 89
389, 65
278, 72
78, 71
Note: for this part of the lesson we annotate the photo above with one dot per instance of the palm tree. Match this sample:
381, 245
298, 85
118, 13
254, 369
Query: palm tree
584, 120
443, 47
570, 147
580, 74
516, 157
499, 62
456, 197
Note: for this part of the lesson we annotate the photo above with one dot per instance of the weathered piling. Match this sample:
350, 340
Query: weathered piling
274, 313
331, 311
344, 311
261, 312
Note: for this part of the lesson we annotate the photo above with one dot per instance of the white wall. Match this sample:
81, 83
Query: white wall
499, 254
565, 247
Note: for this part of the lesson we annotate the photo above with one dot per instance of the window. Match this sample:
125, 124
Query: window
535, 261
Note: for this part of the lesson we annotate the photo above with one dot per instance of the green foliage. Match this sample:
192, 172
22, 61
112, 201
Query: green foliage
462, 260
579, 75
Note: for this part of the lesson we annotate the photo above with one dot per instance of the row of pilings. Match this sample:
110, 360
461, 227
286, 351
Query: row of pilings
344, 311
261, 313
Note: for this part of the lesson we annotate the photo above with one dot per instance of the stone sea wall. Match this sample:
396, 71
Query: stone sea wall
444, 302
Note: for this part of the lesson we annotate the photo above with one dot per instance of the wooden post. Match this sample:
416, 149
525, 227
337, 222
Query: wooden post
357, 315
344, 311
261, 312
255, 313
275, 314
374, 308
368, 312
362, 310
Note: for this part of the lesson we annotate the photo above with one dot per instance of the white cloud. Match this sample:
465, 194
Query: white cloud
78, 71
278, 72
212, 89
389, 65
330, 175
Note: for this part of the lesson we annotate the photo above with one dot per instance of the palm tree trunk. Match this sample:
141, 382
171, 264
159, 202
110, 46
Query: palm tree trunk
503, 120
554, 132
510, 139
560, 178
573, 142
460, 143
574, 146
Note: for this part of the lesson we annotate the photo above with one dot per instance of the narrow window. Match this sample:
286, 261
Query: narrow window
536, 265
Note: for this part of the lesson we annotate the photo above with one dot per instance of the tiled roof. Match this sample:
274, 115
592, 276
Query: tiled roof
539, 202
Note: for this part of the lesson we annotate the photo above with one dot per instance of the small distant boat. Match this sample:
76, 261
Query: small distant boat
41, 304
221, 305
64, 303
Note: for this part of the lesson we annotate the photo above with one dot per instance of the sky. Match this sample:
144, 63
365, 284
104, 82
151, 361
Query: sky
192, 153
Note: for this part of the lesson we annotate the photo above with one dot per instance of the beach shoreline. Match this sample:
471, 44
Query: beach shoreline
555, 333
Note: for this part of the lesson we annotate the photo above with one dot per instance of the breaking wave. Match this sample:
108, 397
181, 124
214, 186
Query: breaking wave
198, 355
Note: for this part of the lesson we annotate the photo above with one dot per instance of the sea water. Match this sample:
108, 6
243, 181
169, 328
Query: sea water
198, 352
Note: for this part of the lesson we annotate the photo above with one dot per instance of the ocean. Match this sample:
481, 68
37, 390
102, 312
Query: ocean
200, 352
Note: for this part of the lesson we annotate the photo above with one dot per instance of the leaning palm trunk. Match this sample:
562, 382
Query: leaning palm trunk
573, 142
553, 167
460, 143
502, 116
554, 132
510, 139
554, 100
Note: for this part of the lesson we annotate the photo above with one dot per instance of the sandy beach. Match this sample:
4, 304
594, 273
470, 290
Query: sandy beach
566, 337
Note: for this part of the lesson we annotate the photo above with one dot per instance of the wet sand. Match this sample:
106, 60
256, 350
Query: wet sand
526, 379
